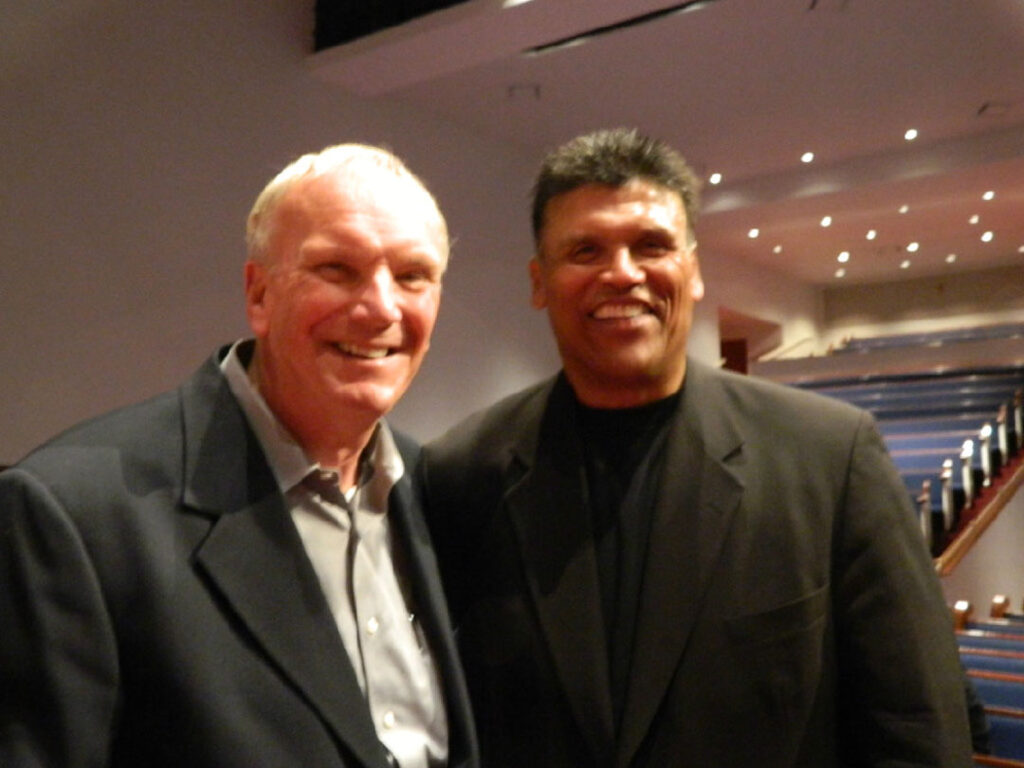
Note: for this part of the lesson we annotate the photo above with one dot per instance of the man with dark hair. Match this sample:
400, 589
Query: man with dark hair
651, 562
237, 574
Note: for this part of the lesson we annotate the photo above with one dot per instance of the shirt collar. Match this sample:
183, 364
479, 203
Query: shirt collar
286, 457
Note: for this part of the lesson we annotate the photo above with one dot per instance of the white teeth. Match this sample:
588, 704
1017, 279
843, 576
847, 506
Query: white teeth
606, 311
373, 353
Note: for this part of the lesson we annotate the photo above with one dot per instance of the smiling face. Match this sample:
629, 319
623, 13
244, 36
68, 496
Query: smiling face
618, 279
344, 304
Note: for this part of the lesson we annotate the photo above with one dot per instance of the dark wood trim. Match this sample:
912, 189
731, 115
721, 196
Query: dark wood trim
1006, 677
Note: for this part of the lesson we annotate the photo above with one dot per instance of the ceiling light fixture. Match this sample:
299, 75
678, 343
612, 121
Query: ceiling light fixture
987, 237
911, 134
905, 264
871, 235
753, 233
807, 157
843, 257
840, 273
974, 219
990, 195
912, 247
951, 258
715, 178
826, 221
904, 208
777, 249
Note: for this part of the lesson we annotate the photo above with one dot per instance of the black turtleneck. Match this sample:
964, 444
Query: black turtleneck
622, 450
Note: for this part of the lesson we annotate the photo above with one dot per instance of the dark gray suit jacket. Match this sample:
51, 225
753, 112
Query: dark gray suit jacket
789, 615
158, 608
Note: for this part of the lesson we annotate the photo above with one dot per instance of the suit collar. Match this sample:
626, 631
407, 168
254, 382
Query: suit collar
699, 490
224, 467
254, 559
428, 595
550, 518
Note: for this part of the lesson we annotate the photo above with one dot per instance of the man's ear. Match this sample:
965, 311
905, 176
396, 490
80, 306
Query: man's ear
256, 297
537, 297
696, 281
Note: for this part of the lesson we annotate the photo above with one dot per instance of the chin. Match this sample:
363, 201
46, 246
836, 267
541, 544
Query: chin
369, 399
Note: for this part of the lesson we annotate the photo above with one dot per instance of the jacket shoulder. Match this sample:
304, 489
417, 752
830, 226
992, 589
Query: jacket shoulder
492, 431
781, 402
141, 444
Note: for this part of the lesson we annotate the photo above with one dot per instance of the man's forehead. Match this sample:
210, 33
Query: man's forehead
638, 203
318, 200
356, 186
357, 189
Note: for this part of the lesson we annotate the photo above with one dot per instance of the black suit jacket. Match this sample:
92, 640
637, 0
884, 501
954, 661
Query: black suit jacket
789, 614
158, 608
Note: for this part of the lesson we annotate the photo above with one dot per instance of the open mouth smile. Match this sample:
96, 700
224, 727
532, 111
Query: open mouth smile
620, 311
365, 353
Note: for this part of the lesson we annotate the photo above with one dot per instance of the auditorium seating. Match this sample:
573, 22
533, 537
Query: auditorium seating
950, 408
992, 653
950, 433
932, 339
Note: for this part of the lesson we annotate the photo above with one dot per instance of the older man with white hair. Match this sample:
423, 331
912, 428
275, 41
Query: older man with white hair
236, 574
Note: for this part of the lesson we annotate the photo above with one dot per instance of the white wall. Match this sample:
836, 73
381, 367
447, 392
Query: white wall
935, 303
135, 137
755, 291
994, 565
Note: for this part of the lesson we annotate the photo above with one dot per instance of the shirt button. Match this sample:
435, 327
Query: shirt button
389, 720
372, 625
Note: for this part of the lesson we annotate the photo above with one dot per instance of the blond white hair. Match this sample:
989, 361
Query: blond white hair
357, 159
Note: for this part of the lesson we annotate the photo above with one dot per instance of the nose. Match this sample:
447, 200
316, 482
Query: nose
623, 269
378, 299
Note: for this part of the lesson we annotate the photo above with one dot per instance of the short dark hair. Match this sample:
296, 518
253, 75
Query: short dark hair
614, 158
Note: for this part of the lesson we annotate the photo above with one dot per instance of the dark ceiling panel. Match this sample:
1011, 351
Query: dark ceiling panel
342, 21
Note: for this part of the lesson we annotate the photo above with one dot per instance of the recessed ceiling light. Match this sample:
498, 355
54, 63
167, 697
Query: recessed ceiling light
987, 237
911, 134
905, 264
753, 233
807, 157
990, 195
840, 273
871, 235
904, 208
951, 258
1020, 249
974, 219
912, 247
843, 257
777, 249
826, 221
715, 178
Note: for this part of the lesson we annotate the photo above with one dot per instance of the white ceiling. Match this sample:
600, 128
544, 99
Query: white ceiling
743, 88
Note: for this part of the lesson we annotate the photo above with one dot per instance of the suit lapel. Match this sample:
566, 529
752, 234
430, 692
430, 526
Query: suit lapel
254, 558
547, 510
699, 491
430, 605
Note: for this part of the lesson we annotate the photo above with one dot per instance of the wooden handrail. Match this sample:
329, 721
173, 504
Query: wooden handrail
1003, 677
1014, 712
961, 545
998, 762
